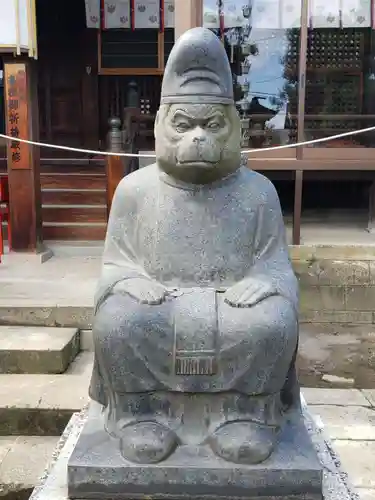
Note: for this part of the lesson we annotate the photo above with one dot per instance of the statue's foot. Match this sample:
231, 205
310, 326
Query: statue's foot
243, 442
147, 442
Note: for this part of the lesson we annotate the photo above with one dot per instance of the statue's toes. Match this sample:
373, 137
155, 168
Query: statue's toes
243, 442
147, 442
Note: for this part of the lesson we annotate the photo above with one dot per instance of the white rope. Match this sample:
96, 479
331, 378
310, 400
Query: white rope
141, 155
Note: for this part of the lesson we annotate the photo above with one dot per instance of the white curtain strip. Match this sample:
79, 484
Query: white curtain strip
286, 14
265, 14
117, 14
92, 13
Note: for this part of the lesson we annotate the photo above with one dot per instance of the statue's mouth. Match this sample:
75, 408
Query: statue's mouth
196, 164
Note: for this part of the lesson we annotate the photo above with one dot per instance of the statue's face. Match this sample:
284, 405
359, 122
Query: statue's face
198, 143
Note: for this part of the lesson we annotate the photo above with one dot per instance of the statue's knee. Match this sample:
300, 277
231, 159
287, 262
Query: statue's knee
123, 316
116, 314
275, 313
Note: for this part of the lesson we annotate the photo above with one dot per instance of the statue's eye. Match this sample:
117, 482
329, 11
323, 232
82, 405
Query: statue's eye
182, 126
214, 126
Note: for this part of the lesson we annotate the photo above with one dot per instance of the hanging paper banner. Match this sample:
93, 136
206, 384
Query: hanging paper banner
92, 13
116, 14
233, 13
291, 11
356, 13
169, 10
146, 14
266, 14
324, 13
211, 14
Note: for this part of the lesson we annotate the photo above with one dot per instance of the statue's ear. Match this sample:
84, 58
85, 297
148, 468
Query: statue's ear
157, 118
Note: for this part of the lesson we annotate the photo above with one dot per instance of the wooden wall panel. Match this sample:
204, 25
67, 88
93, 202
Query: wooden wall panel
76, 214
75, 232
73, 181
74, 197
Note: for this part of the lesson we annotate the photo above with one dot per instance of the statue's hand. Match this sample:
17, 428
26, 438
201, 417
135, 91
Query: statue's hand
144, 290
248, 292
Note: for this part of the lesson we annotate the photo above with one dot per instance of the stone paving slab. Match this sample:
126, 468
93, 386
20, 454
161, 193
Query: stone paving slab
347, 422
366, 494
24, 462
37, 349
334, 397
358, 459
6, 444
370, 395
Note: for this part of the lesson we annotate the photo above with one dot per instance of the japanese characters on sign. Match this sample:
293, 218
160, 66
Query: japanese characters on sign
17, 116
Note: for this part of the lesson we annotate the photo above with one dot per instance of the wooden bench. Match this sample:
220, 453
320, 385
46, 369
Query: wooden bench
4, 210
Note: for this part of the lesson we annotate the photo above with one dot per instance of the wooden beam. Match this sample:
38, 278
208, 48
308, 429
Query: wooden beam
114, 164
115, 172
188, 14
22, 119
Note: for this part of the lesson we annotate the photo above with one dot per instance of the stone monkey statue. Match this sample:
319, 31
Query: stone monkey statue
196, 319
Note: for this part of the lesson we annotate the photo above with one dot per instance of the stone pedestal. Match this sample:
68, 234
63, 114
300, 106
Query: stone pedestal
318, 455
97, 470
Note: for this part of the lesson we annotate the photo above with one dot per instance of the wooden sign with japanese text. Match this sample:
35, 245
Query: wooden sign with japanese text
17, 116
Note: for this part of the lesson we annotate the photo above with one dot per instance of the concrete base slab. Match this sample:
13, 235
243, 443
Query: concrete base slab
37, 349
14, 258
53, 485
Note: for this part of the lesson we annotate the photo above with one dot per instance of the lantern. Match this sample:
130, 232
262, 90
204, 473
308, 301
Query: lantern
18, 27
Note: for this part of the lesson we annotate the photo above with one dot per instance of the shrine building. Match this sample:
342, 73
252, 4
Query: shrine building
87, 74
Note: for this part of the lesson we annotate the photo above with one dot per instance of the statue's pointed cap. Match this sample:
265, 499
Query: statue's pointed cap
197, 71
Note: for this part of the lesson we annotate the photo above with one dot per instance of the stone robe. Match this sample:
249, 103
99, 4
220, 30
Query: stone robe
199, 240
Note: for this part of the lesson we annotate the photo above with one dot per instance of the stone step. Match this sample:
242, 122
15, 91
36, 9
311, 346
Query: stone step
37, 349
73, 315
41, 404
22, 462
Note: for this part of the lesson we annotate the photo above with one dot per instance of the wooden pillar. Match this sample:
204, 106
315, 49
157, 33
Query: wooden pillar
115, 164
22, 121
371, 209
188, 14
90, 89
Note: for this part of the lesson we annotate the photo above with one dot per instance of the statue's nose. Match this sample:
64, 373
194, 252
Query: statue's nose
199, 140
